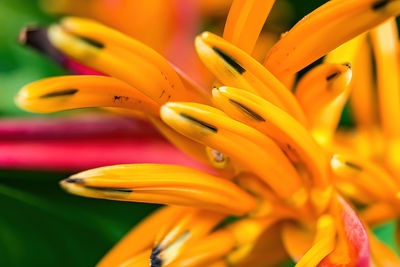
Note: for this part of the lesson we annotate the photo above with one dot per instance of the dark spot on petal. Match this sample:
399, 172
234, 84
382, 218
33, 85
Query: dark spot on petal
162, 93
74, 180
353, 166
332, 76
91, 42
247, 110
347, 64
60, 93
380, 4
120, 98
155, 260
230, 60
110, 189
201, 123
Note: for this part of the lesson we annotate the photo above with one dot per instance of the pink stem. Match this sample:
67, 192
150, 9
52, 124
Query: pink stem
83, 125
76, 155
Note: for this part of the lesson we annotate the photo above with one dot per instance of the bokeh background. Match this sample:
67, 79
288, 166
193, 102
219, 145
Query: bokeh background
41, 225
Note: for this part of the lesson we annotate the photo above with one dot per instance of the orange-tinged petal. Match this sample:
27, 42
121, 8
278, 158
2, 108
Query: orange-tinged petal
141, 237
245, 20
208, 250
172, 240
323, 244
324, 29
212, 128
165, 184
140, 260
381, 254
73, 92
386, 48
233, 67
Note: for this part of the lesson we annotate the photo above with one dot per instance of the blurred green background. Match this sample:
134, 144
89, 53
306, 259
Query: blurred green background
41, 225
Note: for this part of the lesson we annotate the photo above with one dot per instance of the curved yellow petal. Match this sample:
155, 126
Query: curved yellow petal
110, 37
324, 29
207, 251
118, 62
382, 255
165, 184
244, 145
195, 149
141, 237
378, 213
363, 94
140, 260
386, 48
172, 240
367, 175
292, 137
322, 85
72, 92
246, 233
324, 242
233, 67
245, 21
297, 239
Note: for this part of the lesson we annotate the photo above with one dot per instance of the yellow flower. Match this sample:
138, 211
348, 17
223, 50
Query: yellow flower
269, 148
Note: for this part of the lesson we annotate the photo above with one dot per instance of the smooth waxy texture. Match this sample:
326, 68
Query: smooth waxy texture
321, 86
278, 125
233, 67
172, 240
213, 128
312, 38
128, 61
245, 21
73, 92
141, 237
166, 184
386, 48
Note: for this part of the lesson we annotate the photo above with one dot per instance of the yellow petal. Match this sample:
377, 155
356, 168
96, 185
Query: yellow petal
322, 85
207, 251
245, 22
292, 137
324, 29
378, 213
140, 260
324, 242
73, 92
195, 149
363, 93
367, 175
116, 40
141, 237
382, 255
385, 44
233, 67
214, 129
246, 233
120, 62
165, 184
172, 240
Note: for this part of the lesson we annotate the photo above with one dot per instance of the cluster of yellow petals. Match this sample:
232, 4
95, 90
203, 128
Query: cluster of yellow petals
278, 161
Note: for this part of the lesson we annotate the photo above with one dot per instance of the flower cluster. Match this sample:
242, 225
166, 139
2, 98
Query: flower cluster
281, 181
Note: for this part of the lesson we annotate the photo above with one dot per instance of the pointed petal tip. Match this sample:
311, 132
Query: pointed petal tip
347, 64
73, 181
28, 32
